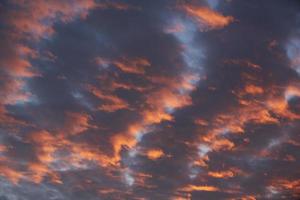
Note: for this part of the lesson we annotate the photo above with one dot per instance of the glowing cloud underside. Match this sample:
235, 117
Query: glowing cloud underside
157, 99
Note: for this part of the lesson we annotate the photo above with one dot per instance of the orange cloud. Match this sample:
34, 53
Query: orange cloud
127, 139
30, 18
292, 91
248, 197
18, 66
280, 107
207, 18
83, 152
286, 185
11, 91
191, 188
221, 174
156, 116
111, 103
76, 123
242, 62
127, 65
168, 97
127, 86
8, 121
173, 94
11, 174
269, 109
26, 21
222, 144
154, 154
46, 144
111, 82
106, 190
232, 172
134, 66
200, 122
38, 171
3, 148
253, 112
160, 101
253, 89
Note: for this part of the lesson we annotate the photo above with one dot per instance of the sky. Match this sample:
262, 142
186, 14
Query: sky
149, 99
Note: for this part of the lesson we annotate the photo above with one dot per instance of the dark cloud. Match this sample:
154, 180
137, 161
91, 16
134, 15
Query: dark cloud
149, 100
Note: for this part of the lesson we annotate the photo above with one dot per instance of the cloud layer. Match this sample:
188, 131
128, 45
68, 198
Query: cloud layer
146, 99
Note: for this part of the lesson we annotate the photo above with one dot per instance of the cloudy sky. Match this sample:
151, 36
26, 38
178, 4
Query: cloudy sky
149, 99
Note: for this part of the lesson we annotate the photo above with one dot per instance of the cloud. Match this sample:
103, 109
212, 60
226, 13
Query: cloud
191, 188
154, 154
112, 102
206, 18
149, 100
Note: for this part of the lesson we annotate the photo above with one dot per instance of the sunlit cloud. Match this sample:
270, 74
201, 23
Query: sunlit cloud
191, 188
149, 100
206, 18
154, 154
